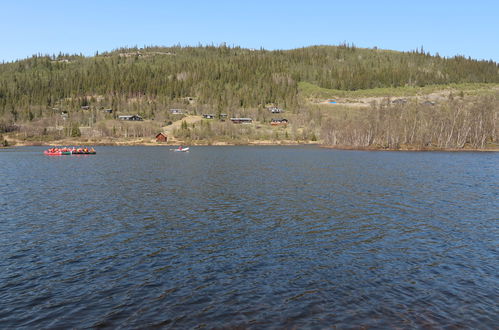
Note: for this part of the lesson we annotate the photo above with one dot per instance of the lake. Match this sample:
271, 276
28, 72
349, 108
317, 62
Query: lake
252, 237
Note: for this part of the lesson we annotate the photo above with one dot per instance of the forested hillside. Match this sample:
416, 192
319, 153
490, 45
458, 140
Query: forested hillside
150, 81
221, 77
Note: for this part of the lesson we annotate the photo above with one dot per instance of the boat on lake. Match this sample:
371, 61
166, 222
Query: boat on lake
89, 152
51, 152
181, 149
69, 151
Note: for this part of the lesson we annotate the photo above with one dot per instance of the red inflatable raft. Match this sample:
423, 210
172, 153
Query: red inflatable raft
56, 153
66, 151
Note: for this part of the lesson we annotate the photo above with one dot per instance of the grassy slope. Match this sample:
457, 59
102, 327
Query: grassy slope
308, 90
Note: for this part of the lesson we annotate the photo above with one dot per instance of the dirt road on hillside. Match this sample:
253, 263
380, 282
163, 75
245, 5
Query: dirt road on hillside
170, 129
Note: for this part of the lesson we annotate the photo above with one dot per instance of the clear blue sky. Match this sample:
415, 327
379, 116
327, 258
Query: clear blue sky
28, 27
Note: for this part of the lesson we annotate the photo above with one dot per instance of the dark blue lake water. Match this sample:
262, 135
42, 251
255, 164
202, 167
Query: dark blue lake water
256, 237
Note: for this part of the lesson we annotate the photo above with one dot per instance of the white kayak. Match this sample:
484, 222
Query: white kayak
181, 150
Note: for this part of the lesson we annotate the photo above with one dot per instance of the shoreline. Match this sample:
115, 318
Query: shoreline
150, 143
153, 144
410, 149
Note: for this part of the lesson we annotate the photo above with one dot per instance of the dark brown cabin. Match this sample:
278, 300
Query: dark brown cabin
276, 122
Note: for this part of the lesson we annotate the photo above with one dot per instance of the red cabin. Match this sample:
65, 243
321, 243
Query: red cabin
160, 137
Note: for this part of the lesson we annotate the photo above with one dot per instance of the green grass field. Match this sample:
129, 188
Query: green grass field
309, 90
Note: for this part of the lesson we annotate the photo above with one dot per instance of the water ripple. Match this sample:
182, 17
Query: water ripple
251, 237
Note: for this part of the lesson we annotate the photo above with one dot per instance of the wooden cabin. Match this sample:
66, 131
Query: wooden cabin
131, 118
176, 111
276, 122
275, 110
161, 137
241, 120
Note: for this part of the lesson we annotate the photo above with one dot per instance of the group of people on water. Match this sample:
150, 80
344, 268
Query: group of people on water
73, 150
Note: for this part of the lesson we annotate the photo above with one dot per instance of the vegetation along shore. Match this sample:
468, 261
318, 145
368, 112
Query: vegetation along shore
336, 96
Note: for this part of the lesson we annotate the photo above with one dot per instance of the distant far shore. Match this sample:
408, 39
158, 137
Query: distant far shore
152, 143
411, 148
144, 142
